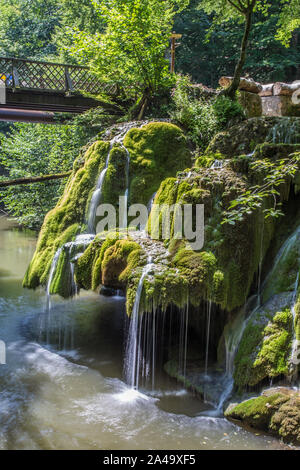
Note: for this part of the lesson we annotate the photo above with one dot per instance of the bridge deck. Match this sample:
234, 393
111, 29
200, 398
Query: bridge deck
48, 86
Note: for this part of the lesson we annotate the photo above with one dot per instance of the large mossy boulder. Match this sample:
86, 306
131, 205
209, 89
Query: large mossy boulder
67, 219
156, 151
276, 411
266, 344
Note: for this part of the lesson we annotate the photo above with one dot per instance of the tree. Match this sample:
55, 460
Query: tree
131, 51
26, 28
227, 10
289, 20
34, 150
207, 60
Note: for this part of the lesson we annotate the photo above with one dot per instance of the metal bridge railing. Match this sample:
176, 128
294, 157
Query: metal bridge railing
49, 76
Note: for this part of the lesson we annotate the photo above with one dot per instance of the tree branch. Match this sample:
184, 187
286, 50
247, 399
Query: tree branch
33, 179
235, 6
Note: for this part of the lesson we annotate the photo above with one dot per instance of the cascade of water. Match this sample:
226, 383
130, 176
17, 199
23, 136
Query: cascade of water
285, 131
217, 164
150, 203
207, 335
295, 345
95, 200
290, 241
51, 275
123, 218
132, 350
48, 294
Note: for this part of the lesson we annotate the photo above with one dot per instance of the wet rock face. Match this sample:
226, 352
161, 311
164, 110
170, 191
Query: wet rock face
157, 150
276, 411
244, 137
266, 343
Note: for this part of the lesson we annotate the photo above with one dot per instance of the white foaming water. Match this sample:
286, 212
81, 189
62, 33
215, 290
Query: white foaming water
96, 197
131, 364
207, 335
295, 344
217, 164
123, 222
285, 131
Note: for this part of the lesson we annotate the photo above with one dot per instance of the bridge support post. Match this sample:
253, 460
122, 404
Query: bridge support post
68, 80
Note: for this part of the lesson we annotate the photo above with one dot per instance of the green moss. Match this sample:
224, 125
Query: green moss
276, 411
68, 217
157, 150
264, 348
257, 412
110, 261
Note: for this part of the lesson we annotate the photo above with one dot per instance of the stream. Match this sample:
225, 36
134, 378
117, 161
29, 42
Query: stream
62, 385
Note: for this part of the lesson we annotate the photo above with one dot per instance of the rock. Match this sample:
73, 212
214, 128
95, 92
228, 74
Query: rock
251, 103
243, 137
280, 105
276, 411
265, 346
107, 291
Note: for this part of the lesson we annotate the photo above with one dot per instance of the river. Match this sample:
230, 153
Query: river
62, 387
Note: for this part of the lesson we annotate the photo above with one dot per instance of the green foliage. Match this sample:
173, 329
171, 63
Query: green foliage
227, 111
201, 117
275, 175
206, 60
34, 150
131, 50
193, 113
26, 28
289, 21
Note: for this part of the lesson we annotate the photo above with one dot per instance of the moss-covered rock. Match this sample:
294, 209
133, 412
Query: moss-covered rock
276, 411
231, 274
67, 219
266, 344
245, 136
157, 151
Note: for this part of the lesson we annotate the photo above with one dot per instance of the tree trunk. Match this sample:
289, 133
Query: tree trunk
231, 90
33, 179
246, 84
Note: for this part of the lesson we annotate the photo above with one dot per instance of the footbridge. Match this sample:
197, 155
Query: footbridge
33, 91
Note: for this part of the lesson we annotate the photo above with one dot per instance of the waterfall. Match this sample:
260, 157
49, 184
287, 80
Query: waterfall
95, 200
295, 344
285, 131
51, 275
285, 248
217, 164
207, 336
150, 203
131, 366
123, 219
